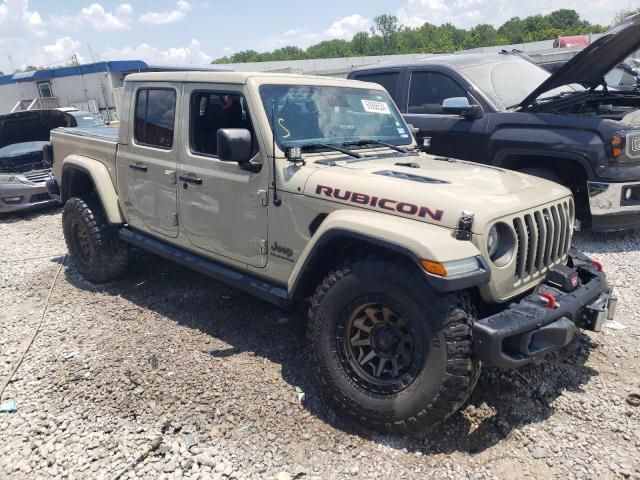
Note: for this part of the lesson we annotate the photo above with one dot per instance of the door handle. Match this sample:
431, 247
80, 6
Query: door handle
191, 178
138, 166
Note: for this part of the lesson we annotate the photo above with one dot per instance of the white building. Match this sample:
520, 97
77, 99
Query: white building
88, 87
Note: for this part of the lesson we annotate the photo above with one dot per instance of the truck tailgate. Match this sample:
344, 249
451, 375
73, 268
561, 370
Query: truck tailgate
98, 143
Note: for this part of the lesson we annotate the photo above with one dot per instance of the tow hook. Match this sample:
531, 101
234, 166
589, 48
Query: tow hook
549, 299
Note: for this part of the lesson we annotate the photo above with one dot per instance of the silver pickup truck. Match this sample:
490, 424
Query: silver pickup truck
416, 269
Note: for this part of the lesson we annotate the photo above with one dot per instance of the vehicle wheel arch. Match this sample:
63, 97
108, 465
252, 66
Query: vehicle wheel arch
519, 159
338, 245
83, 177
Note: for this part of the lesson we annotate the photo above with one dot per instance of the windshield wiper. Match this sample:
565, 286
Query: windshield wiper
307, 146
364, 142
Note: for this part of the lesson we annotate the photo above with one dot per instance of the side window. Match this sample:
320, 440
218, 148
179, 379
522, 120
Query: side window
154, 117
211, 111
389, 80
428, 89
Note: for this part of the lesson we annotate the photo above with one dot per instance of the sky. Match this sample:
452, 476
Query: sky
193, 32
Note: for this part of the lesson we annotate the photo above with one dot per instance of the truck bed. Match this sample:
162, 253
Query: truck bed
99, 143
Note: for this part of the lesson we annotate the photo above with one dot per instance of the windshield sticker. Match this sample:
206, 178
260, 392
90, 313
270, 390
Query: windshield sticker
373, 106
404, 135
401, 130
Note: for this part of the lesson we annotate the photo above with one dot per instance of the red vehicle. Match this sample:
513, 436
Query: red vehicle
575, 41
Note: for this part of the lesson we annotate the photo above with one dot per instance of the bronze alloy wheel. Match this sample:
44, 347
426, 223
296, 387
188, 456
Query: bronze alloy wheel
378, 347
81, 241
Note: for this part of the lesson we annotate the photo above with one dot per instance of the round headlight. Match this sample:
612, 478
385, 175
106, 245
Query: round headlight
501, 243
493, 240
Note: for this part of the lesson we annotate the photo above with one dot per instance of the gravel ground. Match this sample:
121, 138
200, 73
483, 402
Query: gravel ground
168, 355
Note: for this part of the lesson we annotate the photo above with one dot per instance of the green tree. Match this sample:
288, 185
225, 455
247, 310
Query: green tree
622, 14
387, 36
388, 27
360, 43
566, 20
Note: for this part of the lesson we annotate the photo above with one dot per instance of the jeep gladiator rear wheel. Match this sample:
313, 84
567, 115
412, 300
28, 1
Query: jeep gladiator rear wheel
390, 352
98, 252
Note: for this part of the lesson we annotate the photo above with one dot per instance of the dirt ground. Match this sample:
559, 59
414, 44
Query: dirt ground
166, 355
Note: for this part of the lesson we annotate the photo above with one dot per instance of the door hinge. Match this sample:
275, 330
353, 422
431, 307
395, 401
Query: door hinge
174, 219
259, 244
172, 176
263, 197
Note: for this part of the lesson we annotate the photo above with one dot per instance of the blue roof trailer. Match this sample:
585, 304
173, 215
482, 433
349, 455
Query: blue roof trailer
84, 85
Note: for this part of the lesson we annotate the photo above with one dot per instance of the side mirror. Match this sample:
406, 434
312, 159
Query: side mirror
461, 106
412, 128
234, 145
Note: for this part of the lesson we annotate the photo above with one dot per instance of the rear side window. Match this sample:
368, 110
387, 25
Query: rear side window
155, 116
389, 80
428, 90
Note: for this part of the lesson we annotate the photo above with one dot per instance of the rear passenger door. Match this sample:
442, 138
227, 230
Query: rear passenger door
445, 134
147, 163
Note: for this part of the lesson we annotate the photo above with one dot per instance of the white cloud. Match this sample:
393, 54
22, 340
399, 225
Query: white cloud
166, 16
97, 17
192, 54
62, 49
343, 28
16, 19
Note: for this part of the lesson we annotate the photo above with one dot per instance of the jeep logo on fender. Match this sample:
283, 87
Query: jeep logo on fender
383, 203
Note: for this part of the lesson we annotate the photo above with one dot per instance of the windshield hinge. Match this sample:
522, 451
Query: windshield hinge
172, 176
263, 197
260, 244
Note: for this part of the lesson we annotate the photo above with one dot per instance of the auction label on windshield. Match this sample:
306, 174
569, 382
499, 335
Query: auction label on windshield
373, 106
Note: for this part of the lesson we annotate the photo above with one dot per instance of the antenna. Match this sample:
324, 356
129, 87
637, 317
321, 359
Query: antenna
276, 199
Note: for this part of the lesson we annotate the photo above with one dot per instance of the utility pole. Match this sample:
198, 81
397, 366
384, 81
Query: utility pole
11, 62
74, 57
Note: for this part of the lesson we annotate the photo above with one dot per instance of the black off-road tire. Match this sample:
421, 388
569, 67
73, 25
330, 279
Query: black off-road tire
98, 253
444, 376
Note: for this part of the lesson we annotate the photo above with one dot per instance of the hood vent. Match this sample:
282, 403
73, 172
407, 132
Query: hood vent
408, 176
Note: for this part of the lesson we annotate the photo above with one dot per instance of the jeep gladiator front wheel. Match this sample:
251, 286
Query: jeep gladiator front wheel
97, 251
389, 352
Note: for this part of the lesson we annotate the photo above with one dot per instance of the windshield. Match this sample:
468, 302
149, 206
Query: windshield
332, 115
509, 82
87, 120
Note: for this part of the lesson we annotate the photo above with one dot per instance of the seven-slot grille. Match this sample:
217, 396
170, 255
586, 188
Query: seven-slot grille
544, 238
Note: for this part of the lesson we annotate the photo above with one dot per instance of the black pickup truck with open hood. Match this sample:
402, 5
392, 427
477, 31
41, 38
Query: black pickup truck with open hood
23, 168
504, 110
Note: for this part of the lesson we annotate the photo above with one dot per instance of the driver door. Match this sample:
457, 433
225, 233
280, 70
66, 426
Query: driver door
447, 135
220, 204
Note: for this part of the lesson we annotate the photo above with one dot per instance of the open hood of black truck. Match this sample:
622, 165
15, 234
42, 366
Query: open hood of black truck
589, 67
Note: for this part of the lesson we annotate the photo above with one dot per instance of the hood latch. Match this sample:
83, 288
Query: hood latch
463, 232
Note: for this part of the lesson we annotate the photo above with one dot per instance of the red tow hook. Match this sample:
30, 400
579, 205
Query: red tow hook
550, 299
598, 265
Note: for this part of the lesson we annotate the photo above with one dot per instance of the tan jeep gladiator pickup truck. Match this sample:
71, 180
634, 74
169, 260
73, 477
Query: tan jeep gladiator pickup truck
296, 189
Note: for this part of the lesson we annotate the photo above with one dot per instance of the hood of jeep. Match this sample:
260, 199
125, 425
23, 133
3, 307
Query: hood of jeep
431, 190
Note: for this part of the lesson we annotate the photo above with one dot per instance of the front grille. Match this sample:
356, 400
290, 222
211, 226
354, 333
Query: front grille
544, 239
39, 176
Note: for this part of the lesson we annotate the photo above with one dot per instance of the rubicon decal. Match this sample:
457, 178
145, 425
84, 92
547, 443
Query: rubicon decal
377, 202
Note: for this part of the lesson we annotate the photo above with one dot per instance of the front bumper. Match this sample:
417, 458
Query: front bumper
614, 206
529, 329
24, 195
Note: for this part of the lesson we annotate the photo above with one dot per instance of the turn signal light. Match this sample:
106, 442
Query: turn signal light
434, 268
617, 146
